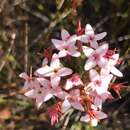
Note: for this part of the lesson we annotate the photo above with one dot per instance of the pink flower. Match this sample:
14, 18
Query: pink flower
55, 71
99, 83
73, 81
110, 67
72, 99
93, 117
41, 92
99, 99
66, 46
95, 57
28, 80
90, 37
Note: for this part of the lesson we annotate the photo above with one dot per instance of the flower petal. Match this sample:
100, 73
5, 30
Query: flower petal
87, 51
101, 115
100, 36
102, 49
73, 52
93, 75
69, 84
64, 34
94, 44
55, 80
24, 76
58, 43
30, 93
44, 82
89, 64
116, 72
55, 62
62, 53
85, 118
89, 30
64, 71
65, 106
45, 71
77, 105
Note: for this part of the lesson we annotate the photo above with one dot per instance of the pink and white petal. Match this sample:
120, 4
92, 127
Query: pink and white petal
62, 53
102, 49
115, 71
46, 71
73, 52
39, 104
69, 84
94, 122
98, 102
89, 30
85, 118
24, 76
75, 93
72, 40
83, 38
87, 51
104, 71
101, 115
100, 36
60, 94
44, 62
89, 64
47, 96
55, 62
77, 105
58, 43
30, 94
65, 106
93, 75
106, 79
101, 89
94, 44
55, 80
114, 59
64, 34
103, 62
64, 71
44, 82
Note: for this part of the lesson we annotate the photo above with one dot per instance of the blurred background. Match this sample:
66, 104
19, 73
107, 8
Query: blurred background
26, 27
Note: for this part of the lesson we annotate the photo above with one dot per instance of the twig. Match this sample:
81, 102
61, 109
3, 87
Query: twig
8, 51
52, 24
26, 48
67, 120
60, 4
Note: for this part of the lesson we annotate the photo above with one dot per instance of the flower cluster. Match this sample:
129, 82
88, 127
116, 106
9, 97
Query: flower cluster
67, 87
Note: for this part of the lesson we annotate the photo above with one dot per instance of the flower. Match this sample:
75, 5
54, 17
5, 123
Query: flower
95, 57
55, 71
72, 99
110, 67
99, 83
66, 46
28, 80
41, 92
93, 117
73, 81
99, 99
91, 37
